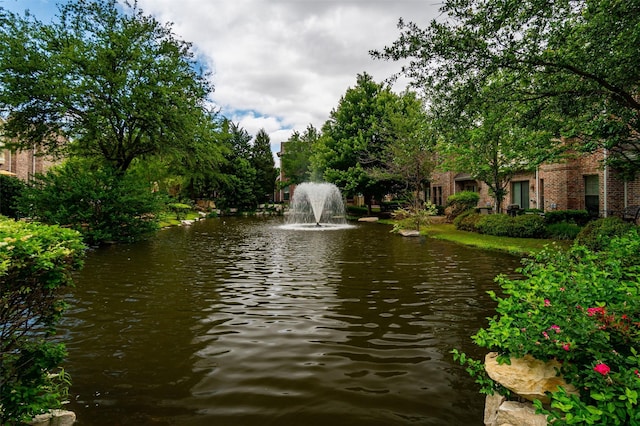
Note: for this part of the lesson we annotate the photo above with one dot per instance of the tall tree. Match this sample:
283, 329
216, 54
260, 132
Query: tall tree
579, 60
296, 158
353, 140
492, 140
262, 161
236, 187
410, 156
100, 82
201, 161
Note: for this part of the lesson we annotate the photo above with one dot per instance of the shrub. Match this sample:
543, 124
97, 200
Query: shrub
579, 217
527, 226
461, 202
35, 265
581, 308
469, 199
97, 201
563, 231
494, 224
502, 225
597, 234
10, 189
179, 209
467, 221
531, 211
413, 218
357, 210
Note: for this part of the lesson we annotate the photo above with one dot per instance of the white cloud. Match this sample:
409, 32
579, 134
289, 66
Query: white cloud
284, 64
280, 64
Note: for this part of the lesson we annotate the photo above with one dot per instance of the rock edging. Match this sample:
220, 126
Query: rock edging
54, 418
528, 378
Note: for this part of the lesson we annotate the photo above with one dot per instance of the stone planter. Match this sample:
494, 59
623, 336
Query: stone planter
530, 379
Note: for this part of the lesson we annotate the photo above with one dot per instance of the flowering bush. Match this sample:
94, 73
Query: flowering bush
583, 309
36, 265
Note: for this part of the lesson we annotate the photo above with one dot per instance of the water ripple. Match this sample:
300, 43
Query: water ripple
242, 322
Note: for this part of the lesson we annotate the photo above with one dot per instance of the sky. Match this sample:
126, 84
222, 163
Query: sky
280, 65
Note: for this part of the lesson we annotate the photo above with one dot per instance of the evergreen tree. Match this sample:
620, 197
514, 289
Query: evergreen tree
236, 186
262, 161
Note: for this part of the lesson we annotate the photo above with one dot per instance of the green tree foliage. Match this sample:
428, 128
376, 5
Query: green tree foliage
461, 202
99, 83
264, 165
597, 235
492, 140
98, 201
580, 308
10, 189
355, 138
409, 158
199, 164
296, 158
575, 64
236, 187
36, 262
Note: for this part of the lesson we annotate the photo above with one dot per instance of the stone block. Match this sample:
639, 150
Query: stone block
54, 418
519, 414
491, 406
528, 377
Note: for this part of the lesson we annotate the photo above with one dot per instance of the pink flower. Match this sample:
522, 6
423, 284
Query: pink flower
593, 311
637, 373
547, 302
555, 328
561, 288
566, 346
546, 336
602, 369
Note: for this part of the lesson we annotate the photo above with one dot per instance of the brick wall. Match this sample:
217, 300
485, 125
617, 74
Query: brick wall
24, 164
561, 186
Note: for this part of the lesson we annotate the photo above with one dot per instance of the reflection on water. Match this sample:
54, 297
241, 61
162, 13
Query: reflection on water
241, 322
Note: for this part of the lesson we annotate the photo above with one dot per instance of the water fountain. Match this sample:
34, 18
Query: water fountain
317, 206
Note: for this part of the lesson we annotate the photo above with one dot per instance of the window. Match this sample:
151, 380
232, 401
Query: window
520, 194
541, 194
592, 194
470, 186
437, 195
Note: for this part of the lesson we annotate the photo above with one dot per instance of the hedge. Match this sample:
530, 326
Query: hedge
501, 225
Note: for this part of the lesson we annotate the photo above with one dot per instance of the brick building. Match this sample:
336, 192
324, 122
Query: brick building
580, 183
23, 164
282, 194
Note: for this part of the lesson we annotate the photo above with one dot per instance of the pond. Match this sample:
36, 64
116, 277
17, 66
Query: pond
237, 321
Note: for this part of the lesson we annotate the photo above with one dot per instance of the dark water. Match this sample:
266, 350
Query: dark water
239, 322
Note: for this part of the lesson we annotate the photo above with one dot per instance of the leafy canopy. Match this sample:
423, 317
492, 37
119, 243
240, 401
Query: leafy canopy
354, 140
296, 158
100, 82
493, 139
578, 60
96, 200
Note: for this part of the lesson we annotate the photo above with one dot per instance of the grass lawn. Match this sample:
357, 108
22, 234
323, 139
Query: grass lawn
517, 246
167, 219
